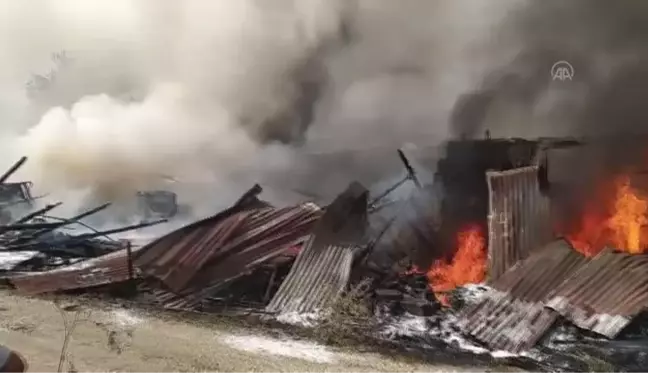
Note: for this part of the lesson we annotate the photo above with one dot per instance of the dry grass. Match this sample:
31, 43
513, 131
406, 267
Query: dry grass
594, 363
349, 319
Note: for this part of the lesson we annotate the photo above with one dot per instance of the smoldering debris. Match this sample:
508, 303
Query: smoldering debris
35, 241
328, 264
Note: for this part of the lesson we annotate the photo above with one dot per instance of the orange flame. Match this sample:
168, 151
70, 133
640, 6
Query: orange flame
620, 224
468, 266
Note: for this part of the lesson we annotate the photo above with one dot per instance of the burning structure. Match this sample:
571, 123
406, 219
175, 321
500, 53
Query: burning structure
497, 218
15, 197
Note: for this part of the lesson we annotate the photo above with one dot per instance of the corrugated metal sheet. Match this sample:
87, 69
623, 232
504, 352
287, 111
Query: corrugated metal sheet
214, 251
513, 317
506, 323
192, 298
317, 277
173, 301
110, 268
518, 219
604, 295
322, 269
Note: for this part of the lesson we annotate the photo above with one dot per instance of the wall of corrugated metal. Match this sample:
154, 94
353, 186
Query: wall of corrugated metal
317, 278
604, 295
518, 219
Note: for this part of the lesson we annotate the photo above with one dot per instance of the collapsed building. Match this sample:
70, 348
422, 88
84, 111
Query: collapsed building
491, 214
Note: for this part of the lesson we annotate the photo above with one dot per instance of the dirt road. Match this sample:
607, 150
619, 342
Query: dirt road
114, 339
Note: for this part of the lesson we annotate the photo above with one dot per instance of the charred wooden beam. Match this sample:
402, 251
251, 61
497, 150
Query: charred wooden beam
250, 197
12, 170
411, 176
25, 227
120, 230
37, 213
266, 296
411, 173
22, 240
77, 222
84, 237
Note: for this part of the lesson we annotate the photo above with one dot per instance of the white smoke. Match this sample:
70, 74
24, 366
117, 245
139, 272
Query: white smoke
162, 89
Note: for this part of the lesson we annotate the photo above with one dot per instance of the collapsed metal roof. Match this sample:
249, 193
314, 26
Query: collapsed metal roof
230, 243
602, 294
110, 268
198, 259
194, 260
323, 268
605, 294
513, 316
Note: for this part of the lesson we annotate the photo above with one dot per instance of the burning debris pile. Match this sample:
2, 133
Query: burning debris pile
36, 241
496, 223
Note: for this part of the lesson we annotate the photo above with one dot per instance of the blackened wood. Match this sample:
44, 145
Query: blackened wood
12, 170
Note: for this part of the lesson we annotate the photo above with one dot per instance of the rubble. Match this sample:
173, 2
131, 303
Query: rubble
291, 263
157, 204
36, 241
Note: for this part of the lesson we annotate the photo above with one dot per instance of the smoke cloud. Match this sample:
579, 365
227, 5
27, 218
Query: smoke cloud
217, 95
605, 101
602, 40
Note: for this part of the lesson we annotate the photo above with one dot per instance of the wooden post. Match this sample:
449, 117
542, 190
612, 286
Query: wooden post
132, 286
266, 297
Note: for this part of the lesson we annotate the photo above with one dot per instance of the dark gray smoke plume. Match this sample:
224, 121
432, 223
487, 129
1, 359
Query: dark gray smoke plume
606, 101
605, 43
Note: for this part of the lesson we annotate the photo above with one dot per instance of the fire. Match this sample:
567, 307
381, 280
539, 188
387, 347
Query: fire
620, 223
468, 265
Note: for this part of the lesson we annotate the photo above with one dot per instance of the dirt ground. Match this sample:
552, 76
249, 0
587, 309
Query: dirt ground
115, 339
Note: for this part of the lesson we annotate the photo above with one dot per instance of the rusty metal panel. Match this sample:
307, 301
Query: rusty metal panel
191, 252
220, 249
107, 269
323, 268
170, 249
518, 218
506, 323
512, 316
604, 295
535, 277
317, 278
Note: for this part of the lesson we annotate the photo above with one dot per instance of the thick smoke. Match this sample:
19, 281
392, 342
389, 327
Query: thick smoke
605, 102
605, 43
217, 95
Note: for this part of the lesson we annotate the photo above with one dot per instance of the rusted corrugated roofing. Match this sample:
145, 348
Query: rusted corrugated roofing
110, 268
604, 295
200, 257
191, 298
534, 278
322, 269
513, 317
317, 277
518, 220
506, 323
